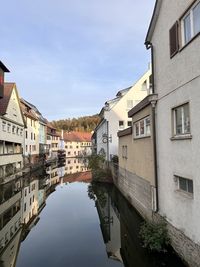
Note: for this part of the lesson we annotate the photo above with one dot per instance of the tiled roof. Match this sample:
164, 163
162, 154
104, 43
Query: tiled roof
77, 137
26, 113
8, 87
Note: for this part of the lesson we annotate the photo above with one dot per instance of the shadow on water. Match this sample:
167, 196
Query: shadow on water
120, 226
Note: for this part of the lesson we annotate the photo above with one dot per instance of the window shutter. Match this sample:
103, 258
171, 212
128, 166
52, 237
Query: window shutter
174, 40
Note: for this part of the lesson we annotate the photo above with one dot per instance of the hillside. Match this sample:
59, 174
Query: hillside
85, 124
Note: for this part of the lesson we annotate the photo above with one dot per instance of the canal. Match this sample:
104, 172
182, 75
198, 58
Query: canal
69, 222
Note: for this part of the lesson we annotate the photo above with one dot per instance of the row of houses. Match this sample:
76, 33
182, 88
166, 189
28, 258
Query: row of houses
27, 138
159, 153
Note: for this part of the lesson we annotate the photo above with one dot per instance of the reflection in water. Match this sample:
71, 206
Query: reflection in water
69, 225
21, 201
120, 225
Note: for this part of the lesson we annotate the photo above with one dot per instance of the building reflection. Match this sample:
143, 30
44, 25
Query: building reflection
120, 226
76, 165
21, 201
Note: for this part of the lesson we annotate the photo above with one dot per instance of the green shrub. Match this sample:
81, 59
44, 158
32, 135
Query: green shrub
154, 236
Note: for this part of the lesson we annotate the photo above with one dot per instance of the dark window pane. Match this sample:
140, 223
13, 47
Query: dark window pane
190, 186
182, 184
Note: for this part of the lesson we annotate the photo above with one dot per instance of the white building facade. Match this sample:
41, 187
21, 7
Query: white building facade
114, 115
174, 37
11, 132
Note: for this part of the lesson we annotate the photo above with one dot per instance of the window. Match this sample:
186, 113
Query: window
121, 124
185, 184
8, 127
129, 123
4, 126
26, 134
191, 23
142, 128
181, 120
13, 129
124, 152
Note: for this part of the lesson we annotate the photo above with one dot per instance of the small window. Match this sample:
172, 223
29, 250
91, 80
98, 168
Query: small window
142, 128
181, 120
13, 129
121, 124
4, 126
185, 184
129, 123
9, 127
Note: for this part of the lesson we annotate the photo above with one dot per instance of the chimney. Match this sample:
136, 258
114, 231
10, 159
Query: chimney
3, 69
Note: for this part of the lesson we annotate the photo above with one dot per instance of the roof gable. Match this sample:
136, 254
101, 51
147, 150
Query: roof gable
8, 87
153, 21
10, 104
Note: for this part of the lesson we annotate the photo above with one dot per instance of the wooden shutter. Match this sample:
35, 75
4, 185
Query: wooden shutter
173, 39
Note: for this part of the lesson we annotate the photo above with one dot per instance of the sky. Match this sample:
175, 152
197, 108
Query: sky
68, 57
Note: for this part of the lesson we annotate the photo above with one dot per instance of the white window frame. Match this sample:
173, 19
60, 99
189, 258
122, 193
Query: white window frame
183, 125
190, 13
138, 123
177, 179
121, 127
3, 126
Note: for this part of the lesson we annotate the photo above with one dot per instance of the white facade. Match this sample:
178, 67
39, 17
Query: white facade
31, 137
11, 135
115, 115
177, 83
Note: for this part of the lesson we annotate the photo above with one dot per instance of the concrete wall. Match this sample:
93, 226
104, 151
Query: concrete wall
177, 80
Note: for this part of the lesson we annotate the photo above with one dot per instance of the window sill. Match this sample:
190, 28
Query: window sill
141, 137
181, 137
185, 194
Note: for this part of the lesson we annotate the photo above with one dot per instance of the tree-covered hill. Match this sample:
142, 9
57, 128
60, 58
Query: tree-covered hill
85, 124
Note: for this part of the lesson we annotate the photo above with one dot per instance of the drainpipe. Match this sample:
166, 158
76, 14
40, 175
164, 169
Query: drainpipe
149, 45
108, 142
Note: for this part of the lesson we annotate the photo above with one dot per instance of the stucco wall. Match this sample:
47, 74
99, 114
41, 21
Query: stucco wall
140, 160
177, 81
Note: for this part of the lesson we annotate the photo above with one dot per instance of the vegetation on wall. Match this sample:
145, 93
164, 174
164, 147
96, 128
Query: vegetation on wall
81, 124
154, 236
100, 172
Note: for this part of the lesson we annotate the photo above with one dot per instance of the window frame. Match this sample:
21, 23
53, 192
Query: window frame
138, 124
189, 12
178, 179
174, 125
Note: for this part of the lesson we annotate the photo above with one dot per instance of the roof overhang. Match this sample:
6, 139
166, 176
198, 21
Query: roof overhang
3, 67
153, 22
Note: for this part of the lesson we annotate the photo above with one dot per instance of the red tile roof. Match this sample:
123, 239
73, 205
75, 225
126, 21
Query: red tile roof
78, 177
8, 87
77, 137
